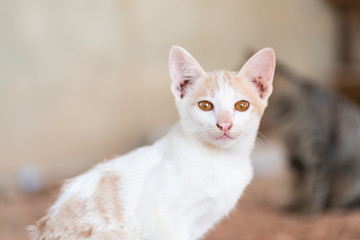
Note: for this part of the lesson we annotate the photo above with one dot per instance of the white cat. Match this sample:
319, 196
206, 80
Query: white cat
183, 184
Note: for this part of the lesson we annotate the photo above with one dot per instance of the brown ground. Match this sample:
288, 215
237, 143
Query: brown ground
258, 217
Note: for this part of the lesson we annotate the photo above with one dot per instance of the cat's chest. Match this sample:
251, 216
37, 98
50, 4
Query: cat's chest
190, 190
214, 193
222, 181
202, 179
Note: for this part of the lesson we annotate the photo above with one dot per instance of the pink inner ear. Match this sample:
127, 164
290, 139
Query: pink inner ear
184, 69
259, 70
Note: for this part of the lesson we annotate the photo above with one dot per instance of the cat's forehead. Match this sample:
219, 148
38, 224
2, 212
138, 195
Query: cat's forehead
217, 81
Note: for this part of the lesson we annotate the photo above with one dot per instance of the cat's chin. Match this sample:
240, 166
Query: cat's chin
221, 142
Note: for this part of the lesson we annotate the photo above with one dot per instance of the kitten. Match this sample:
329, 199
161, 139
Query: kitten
184, 183
321, 131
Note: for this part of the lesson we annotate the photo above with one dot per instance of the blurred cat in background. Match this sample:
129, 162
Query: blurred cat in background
321, 132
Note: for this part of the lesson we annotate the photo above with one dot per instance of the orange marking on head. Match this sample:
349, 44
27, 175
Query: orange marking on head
209, 84
244, 86
205, 86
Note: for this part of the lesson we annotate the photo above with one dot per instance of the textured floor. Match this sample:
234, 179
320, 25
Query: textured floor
257, 217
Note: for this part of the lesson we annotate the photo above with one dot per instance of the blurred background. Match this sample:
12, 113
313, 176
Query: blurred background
84, 80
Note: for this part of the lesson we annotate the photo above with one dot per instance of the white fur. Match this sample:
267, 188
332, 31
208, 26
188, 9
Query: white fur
179, 187
171, 190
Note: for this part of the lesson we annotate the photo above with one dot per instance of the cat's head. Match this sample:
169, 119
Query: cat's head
221, 108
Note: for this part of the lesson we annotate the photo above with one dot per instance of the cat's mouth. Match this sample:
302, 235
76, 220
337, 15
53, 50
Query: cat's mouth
224, 137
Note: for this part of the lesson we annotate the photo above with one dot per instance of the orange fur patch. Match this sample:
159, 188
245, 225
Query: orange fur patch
67, 224
244, 86
106, 199
205, 86
210, 84
72, 219
111, 235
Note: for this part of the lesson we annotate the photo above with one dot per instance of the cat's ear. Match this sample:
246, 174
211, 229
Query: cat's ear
184, 70
259, 70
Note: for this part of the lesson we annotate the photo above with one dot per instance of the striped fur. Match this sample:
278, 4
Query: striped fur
321, 131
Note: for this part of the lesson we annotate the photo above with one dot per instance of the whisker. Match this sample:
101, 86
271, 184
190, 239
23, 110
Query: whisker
265, 139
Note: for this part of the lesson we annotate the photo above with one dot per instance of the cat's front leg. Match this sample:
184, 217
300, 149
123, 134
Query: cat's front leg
310, 184
311, 195
163, 228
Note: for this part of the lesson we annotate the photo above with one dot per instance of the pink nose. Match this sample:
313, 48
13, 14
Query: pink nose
225, 126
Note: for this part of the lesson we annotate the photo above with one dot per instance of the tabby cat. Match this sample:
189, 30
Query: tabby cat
321, 131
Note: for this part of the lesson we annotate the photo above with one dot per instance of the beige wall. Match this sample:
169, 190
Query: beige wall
81, 80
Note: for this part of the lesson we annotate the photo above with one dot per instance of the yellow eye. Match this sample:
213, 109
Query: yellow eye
242, 105
205, 105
